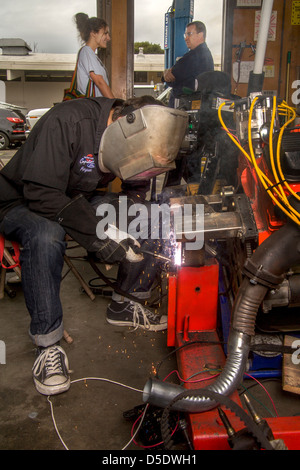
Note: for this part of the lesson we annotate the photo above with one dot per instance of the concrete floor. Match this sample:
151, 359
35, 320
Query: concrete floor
90, 415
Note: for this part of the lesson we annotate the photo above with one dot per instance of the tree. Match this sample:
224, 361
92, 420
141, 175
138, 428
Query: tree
148, 48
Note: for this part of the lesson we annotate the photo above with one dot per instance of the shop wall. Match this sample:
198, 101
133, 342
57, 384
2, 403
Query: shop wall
283, 47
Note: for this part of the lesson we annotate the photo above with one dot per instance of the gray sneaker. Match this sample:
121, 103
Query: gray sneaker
134, 314
51, 371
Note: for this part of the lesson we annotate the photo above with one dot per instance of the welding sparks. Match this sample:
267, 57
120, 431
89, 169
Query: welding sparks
153, 369
177, 255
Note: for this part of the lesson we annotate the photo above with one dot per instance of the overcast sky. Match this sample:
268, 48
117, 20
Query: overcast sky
47, 26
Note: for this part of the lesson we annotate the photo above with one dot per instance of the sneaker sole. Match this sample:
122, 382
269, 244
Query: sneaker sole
52, 389
161, 327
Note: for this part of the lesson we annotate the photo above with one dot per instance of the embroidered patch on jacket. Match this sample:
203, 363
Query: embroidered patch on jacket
87, 163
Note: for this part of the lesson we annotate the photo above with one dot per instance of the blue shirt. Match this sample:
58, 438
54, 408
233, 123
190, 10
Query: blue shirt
189, 66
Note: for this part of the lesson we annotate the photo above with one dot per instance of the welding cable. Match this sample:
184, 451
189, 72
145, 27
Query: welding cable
235, 140
188, 380
237, 143
113, 285
102, 379
266, 391
139, 419
232, 137
260, 383
278, 152
267, 184
285, 110
175, 350
55, 425
288, 210
134, 434
142, 416
280, 349
253, 397
271, 150
279, 181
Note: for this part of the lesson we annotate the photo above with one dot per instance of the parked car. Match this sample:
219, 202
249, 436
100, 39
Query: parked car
12, 127
33, 116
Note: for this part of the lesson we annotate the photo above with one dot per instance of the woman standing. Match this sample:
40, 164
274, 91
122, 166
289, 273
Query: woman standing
95, 33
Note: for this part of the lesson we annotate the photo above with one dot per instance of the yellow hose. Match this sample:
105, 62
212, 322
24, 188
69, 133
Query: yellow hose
274, 189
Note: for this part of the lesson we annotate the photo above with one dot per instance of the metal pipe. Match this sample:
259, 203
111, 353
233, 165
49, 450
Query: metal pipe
161, 393
256, 78
215, 225
264, 26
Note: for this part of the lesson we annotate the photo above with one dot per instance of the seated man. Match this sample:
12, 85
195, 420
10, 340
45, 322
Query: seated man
197, 60
48, 190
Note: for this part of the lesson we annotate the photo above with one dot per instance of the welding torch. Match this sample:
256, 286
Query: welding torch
156, 255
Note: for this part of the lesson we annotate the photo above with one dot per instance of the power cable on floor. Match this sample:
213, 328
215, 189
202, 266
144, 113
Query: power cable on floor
102, 380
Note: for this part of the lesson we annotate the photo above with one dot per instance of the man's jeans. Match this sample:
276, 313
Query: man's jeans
42, 250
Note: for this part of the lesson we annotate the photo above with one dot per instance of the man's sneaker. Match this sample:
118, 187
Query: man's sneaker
134, 314
51, 371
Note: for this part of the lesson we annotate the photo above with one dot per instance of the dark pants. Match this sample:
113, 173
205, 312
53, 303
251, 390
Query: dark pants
42, 250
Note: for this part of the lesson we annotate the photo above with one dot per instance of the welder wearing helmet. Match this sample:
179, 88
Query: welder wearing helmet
49, 189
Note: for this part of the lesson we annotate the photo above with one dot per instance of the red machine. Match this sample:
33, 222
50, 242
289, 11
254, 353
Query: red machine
258, 229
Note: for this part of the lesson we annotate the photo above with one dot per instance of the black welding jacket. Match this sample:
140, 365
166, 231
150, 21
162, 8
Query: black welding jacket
59, 161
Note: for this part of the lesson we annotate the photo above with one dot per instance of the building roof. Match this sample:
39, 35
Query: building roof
149, 62
38, 61
15, 46
66, 62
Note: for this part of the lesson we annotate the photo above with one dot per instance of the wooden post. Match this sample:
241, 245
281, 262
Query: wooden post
119, 56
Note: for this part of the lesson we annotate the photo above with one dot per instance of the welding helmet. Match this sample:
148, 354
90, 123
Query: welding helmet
144, 143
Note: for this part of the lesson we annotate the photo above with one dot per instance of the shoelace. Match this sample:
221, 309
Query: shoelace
146, 314
50, 360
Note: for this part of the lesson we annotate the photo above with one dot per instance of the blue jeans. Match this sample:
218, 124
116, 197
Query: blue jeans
42, 258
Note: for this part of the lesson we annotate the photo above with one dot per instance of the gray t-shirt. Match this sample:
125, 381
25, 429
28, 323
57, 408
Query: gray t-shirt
89, 62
